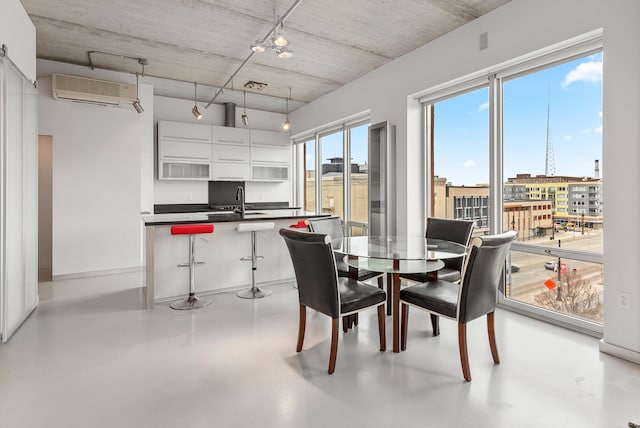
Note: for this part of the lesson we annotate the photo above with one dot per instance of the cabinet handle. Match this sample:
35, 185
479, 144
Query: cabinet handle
186, 157
231, 141
231, 159
228, 176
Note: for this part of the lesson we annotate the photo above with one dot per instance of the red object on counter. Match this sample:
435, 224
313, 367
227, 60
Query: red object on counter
301, 224
191, 229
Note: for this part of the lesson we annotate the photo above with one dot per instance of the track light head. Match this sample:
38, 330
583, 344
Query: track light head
284, 52
137, 105
258, 46
279, 40
196, 113
245, 119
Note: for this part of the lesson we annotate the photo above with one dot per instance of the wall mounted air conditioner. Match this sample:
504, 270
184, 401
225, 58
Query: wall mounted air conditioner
82, 89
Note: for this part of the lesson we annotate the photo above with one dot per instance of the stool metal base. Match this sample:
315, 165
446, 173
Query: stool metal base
253, 293
191, 302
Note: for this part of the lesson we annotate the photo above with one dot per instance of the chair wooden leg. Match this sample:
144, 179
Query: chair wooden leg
404, 320
382, 330
334, 344
389, 293
380, 282
492, 337
301, 327
346, 323
355, 319
464, 357
435, 324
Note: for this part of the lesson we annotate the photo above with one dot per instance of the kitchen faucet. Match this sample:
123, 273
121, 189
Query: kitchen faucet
240, 197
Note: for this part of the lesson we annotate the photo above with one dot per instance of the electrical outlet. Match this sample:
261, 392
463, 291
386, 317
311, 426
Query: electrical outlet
624, 300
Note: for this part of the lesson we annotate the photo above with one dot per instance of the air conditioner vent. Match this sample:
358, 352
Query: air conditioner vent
82, 89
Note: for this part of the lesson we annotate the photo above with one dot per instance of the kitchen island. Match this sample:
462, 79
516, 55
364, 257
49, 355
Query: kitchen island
221, 251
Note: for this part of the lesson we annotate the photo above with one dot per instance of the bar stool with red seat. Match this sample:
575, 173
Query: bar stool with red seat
192, 301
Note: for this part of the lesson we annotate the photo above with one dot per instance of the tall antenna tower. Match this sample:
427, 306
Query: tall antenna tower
550, 162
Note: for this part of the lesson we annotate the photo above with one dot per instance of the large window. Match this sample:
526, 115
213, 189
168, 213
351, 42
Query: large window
535, 159
333, 164
552, 151
461, 157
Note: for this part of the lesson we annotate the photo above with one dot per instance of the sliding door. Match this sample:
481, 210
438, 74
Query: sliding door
19, 198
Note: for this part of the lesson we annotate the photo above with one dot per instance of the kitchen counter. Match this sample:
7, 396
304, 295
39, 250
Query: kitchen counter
221, 251
225, 216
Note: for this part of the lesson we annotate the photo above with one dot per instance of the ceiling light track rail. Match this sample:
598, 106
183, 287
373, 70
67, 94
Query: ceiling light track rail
264, 39
140, 61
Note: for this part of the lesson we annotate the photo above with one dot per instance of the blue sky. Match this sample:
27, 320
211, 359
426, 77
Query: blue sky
575, 93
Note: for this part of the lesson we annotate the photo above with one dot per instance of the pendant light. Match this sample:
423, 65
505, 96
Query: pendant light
286, 125
136, 102
194, 110
245, 118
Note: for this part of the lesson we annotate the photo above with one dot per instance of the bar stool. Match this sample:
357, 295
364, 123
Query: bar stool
192, 301
254, 292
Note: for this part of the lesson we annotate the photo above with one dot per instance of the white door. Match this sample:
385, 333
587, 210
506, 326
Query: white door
18, 199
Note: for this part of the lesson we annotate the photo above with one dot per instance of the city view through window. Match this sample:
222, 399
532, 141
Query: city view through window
552, 180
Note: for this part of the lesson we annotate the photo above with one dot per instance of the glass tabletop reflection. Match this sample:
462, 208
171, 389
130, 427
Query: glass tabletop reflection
398, 248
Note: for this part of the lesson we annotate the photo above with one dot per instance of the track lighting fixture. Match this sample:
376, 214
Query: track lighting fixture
194, 110
278, 42
245, 118
286, 125
136, 102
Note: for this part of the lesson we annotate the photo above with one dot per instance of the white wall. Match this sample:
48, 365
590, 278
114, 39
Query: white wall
18, 33
102, 172
196, 192
515, 29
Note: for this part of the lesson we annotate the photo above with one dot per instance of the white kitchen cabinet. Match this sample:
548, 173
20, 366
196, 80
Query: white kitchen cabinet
184, 151
271, 155
231, 153
230, 135
231, 162
269, 138
264, 172
231, 171
175, 170
181, 131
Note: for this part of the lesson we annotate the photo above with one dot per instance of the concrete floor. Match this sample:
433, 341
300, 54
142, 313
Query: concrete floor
90, 357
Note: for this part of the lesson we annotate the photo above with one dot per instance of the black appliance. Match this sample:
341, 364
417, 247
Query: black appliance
222, 195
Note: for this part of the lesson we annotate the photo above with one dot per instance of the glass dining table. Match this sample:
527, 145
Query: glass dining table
394, 255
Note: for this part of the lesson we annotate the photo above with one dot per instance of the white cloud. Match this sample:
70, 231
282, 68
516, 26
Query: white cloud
567, 137
590, 71
600, 114
598, 129
469, 163
585, 131
483, 106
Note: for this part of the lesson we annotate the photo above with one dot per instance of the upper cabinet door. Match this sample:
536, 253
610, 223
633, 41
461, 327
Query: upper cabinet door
269, 138
193, 132
230, 135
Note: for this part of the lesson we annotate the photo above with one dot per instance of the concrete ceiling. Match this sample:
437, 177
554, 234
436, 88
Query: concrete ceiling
182, 41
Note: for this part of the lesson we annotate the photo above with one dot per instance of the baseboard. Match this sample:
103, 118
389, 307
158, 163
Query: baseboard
288, 281
105, 272
617, 351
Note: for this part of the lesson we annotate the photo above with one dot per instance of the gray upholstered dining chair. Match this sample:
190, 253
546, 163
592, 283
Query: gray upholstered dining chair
474, 297
320, 288
333, 226
458, 231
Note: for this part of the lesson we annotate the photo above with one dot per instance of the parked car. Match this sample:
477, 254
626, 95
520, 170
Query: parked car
514, 268
550, 265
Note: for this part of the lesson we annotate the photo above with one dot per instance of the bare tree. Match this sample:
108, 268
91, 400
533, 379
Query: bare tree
575, 296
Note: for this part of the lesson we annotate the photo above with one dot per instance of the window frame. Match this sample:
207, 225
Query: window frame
579, 47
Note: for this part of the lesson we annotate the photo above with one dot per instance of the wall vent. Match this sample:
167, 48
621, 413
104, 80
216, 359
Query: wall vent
82, 89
